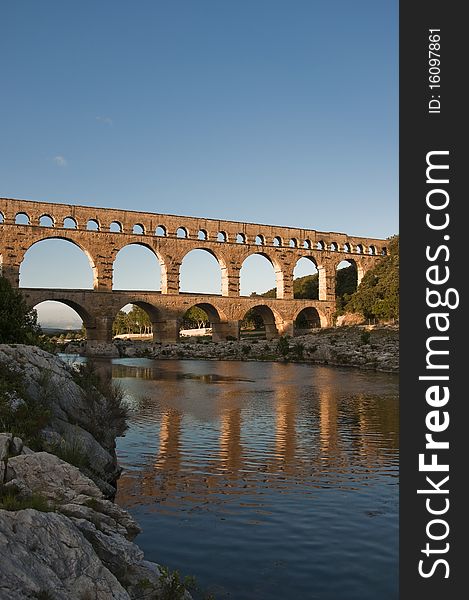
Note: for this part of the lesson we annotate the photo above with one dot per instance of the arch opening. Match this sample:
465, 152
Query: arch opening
347, 247
306, 279
307, 244
46, 221
293, 243
138, 267
277, 241
259, 240
202, 235
346, 282
64, 320
139, 320
57, 263
259, 322
372, 250
92, 225
199, 321
22, 218
258, 277
240, 238
320, 245
70, 223
181, 232
201, 272
222, 236
161, 231
115, 227
138, 229
2, 218
334, 247
307, 320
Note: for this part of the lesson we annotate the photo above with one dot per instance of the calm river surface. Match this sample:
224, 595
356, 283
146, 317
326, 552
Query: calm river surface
264, 480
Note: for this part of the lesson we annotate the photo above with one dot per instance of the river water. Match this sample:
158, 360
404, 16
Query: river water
265, 481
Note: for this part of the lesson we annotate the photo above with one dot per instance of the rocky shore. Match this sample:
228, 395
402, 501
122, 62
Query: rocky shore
62, 537
374, 347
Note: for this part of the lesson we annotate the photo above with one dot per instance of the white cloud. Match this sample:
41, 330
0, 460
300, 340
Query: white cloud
60, 161
105, 120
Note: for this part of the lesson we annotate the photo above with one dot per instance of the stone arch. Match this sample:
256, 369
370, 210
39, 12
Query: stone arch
309, 318
182, 232
240, 238
84, 250
155, 316
138, 229
116, 227
349, 274
161, 231
334, 247
307, 244
222, 236
259, 240
270, 319
277, 281
46, 220
347, 247
223, 272
2, 217
70, 223
22, 218
88, 320
277, 241
306, 266
293, 243
93, 225
202, 235
359, 249
160, 261
320, 245
372, 250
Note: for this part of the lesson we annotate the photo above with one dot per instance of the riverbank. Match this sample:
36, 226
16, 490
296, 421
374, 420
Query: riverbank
370, 347
62, 536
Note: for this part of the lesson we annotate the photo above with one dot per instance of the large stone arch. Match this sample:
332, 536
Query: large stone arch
222, 263
42, 238
219, 323
313, 317
162, 260
156, 315
273, 258
273, 321
89, 319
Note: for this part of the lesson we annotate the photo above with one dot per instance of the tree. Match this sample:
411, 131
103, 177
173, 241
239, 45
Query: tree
18, 323
195, 318
378, 294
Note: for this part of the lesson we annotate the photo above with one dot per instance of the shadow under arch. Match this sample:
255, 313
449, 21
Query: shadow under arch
223, 289
260, 321
64, 238
309, 318
155, 253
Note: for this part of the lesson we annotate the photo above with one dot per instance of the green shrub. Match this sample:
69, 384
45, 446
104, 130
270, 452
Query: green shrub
283, 347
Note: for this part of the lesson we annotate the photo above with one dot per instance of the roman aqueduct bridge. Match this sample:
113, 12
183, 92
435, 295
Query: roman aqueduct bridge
101, 233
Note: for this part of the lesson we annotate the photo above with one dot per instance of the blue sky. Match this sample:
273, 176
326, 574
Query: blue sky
273, 111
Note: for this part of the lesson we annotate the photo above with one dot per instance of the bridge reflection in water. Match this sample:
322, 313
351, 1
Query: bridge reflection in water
199, 438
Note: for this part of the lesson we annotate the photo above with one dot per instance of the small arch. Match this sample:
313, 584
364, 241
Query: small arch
346, 282
46, 221
334, 247
240, 238
202, 235
138, 229
181, 232
70, 223
260, 240
22, 218
259, 321
293, 243
320, 245
277, 241
307, 244
359, 249
347, 247
115, 227
92, 225
161, 231
372, 250
307, 319
2, 218
222, 236
384, 251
